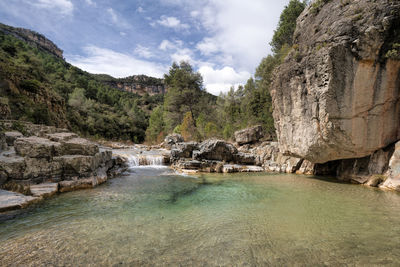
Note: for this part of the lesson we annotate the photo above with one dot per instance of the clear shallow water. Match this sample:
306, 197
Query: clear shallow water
153, 217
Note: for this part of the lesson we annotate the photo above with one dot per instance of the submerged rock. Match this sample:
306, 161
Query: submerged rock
336, 94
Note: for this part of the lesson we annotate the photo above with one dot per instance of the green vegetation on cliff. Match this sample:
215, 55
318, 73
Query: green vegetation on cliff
39, 87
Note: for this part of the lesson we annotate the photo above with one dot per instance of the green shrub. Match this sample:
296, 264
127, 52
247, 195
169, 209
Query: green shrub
30, 85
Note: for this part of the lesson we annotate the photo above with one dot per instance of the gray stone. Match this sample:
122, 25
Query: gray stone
249, 135
78, 146
61, 137
3, 142
12, 201
12, 136
183, 150
44, 190
172, 139
36, 147
213, 149
336, 94
40, 169
244, 158
393, 173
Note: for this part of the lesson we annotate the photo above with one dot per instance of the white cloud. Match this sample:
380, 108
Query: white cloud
220, 80
172, 22
116, 19
183, 55
102, 60
240, 30
194, 13
143, 51
207, 46
62, 6
122, 33
166, 45
90, 2
140, 9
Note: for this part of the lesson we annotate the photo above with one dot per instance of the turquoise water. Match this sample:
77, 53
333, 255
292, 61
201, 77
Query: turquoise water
154, 217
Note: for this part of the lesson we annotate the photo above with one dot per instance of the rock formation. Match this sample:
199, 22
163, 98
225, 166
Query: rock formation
336, 95
55, 161
139, 84
249, 135
33, 38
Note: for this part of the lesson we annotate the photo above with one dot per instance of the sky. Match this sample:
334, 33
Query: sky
224, 40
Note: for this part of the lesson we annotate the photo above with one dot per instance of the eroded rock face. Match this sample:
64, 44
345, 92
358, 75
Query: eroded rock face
336, 96
3, 142
172, 139
215, 150
249, 135
36, 147
12, 136
183, 150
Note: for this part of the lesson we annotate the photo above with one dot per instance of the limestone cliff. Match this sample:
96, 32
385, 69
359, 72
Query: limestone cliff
336, 95
32, 38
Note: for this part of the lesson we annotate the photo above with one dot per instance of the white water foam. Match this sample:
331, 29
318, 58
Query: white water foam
143, 161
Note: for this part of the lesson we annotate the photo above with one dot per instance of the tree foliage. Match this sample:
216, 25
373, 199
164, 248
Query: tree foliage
287, 24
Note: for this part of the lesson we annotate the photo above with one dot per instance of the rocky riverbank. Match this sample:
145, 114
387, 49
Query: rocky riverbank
251, 154
47, 160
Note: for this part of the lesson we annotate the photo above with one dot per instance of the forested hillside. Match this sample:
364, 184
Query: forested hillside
189, 111
40, 87
37, 85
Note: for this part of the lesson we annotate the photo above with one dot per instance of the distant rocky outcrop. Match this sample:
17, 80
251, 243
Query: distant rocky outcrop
336, 95
33, 38
139, 84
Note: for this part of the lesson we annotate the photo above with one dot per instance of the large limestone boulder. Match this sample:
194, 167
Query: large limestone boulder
79, 146
213, 149
183, 150
336, 96
36, 147
172, 139
249, 135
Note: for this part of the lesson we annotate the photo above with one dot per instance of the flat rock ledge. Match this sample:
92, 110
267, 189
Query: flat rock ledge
12, 201
36, 167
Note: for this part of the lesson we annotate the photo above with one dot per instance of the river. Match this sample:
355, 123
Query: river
152, 216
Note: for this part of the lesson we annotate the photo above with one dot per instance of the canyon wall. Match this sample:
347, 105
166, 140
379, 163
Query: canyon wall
336, 95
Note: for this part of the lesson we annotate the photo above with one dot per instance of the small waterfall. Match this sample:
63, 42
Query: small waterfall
146, 160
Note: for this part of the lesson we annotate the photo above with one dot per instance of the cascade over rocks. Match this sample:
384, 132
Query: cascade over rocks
336, 96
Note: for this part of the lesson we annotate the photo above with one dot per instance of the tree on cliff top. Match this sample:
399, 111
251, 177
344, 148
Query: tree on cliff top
185, 88
287, 24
